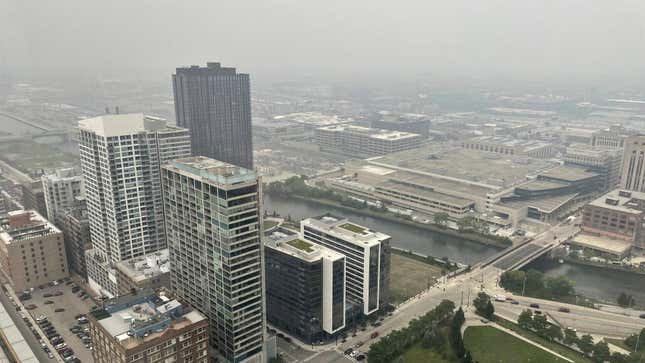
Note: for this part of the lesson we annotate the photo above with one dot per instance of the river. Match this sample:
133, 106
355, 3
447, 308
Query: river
416, 239
17, 128
600, 284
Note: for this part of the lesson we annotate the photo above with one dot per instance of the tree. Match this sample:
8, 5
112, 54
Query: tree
618, 358
632, 340
489, 311
559, 286
540, 324
534, 282
554, 332
570, 336
512, 280
481, 303
433, 339
525, 320
586, 344
601, 352
459, 317
440, 218
625, 300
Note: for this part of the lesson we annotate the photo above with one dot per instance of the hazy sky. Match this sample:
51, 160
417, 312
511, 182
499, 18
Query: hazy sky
275, 37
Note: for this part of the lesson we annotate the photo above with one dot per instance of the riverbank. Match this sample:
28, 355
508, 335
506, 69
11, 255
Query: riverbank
603, 266
473, 237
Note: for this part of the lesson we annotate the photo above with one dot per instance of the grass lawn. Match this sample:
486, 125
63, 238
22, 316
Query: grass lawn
301, 245
562, 350
408, 277
269, 224
487, 344
418, 354
353, 228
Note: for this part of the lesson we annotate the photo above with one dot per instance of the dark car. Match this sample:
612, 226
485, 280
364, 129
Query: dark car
48, 302
48, 294
59, 310
349, 351
360, 357
538, 312
58, 293
75, 289
534, 305
515, 302
564, 310
642, 316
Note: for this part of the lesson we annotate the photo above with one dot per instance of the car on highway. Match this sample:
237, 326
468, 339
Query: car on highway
48, 302
535, 306
374, 335
349, 351
515, 302
642, 316
564, 310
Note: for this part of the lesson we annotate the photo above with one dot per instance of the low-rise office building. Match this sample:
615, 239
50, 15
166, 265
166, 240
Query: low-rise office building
367, 258
151, 271
508, 146
305, 287
146, 327
362, 141
32, 251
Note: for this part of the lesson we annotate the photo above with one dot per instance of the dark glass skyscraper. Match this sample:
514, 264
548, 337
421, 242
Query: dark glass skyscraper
214, 103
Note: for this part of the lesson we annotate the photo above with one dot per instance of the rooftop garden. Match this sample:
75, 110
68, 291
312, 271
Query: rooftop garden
301, 245
354, 228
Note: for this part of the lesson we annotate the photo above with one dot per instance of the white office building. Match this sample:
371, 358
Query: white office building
367, 257
121, 158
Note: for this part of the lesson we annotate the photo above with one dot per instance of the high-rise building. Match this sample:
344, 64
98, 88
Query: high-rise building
32, 251
146, 327
121, 157
61, 188
305, 287
214, 103
213, 224
368, 258
633, 173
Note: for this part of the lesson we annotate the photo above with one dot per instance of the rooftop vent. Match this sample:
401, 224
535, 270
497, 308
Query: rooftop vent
611, 201
625, 193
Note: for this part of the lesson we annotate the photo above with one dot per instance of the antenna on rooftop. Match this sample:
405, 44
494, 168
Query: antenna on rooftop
107, 110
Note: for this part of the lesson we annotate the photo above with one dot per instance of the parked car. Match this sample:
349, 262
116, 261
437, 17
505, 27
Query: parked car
360, 357
49, 294
31, 306
75, 289
374, 335
58, 293
515, 302
59, 310
48, 302
538, 312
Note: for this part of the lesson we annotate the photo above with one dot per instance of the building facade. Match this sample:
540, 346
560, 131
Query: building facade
367, 258
33, 196
413, 123
213, 219
362, 141
633, 172
61, 189
509, 146
121, 157
604, 161
305, 287
214, 103
32, 251
75, 225
612, 138
146, 327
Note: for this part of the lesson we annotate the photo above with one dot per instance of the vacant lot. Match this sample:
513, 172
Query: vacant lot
480, 340
408, 277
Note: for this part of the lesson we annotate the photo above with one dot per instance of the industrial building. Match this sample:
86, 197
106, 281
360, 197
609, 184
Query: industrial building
213, 222
367, 258
305, 287
32, 251
360, 141
146, 327
509, 146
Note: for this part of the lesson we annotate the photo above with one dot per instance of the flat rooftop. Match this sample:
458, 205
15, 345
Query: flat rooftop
14, 337
294, 245
147, 266
22, 225
312, 119
488, 170
569, 173
586, 150
621, 201
370, 132
125, 124
602, 243
212, 170
348, 231
526, 145
546, 204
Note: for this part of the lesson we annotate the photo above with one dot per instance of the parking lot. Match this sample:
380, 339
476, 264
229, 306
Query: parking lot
62, 321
